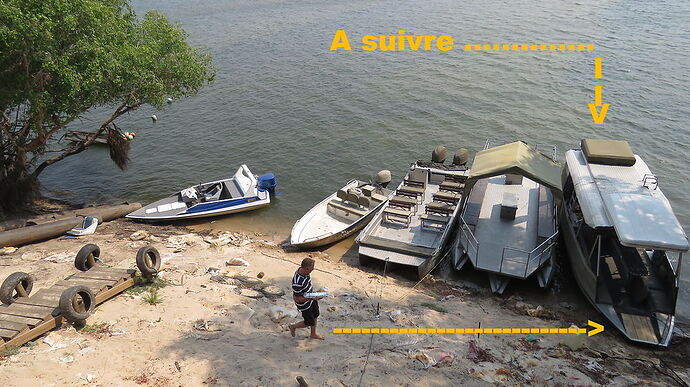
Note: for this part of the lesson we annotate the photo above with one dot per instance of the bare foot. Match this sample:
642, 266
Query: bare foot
316, 336
292, 330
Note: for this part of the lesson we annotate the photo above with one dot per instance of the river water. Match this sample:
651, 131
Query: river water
283, 102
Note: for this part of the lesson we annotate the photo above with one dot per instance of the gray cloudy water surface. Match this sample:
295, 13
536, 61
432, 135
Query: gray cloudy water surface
282, 102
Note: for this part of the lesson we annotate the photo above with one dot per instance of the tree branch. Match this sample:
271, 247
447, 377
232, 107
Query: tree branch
122, 109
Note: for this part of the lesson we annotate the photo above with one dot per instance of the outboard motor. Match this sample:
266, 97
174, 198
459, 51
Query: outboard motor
461, 157
439, 154
267, 181
383, 178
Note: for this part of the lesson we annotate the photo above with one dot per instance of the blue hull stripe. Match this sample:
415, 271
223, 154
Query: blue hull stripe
203, 207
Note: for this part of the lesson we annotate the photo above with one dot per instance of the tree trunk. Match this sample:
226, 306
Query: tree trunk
18, 187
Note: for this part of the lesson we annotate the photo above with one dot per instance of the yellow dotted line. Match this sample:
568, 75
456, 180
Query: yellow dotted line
529, 47
460, 330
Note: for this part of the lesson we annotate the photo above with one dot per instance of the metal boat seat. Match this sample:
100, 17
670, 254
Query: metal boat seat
397, 216
434, 222
417, 178
337, 208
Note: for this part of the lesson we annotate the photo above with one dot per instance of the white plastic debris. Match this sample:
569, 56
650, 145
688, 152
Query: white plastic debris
278, 313
139, 235
7, 250
574, 341
236, 262
53, 340
87, 350
66, 359
59, 258
117, 332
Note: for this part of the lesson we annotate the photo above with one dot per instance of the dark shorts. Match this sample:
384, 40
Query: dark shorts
311, 314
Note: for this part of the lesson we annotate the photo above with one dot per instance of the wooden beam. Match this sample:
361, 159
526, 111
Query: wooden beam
31, 334
120, 287
99, 275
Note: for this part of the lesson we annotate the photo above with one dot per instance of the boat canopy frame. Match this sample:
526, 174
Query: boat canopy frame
517, 158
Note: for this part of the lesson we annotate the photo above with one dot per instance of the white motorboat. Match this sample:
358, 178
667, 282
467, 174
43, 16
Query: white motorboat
242, 192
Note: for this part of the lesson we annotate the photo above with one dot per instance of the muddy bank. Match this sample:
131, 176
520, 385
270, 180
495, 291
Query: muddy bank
211, 319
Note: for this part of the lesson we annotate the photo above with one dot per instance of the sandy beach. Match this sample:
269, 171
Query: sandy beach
219, 324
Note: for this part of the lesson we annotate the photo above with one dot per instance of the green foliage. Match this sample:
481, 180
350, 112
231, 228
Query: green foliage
152, 297
435, 307
142, 285
9, 351
95, 328
61, 58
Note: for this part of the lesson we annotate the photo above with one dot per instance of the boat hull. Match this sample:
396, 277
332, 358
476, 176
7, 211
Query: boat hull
205, 214
327, 240
587, 282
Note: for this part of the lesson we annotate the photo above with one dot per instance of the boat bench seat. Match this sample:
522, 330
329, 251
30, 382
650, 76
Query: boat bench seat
334, 206
440, 208
456, 178
447, 197
451, 186
414, 192
405, 202
397, 216
434, 222
231, 189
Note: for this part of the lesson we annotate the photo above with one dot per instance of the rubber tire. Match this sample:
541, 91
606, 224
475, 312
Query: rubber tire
81, 262
11, 282
148, 267
67, 307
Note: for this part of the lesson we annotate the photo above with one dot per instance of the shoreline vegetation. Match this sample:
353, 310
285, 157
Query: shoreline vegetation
211, 319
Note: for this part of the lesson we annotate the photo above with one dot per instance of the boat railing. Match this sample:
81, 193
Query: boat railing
472, 243
527, 257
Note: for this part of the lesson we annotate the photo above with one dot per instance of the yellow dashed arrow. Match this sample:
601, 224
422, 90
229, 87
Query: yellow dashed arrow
597, 328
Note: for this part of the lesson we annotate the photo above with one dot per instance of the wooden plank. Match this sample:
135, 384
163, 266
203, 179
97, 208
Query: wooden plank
15, 326
19, 319
105, 269
41, 312
8, 333
31, 334
120, 287
38, 301
95, 285
100, 275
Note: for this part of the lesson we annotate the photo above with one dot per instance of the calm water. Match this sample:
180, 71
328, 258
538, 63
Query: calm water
282, 102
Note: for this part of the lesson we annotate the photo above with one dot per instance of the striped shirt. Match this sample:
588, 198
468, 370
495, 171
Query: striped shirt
301, 284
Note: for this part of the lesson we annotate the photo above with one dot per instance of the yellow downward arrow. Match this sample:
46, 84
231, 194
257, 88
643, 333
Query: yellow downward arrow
596, 115
597, 328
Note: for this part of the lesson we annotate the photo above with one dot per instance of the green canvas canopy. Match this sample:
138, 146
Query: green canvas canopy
515, 158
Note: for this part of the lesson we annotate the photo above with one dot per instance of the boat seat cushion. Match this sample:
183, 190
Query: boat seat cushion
411, 190
342, 194
417, 177
334, 207
608, 152
232, 190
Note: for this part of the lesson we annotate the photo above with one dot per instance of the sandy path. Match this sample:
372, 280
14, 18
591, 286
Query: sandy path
239, 344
